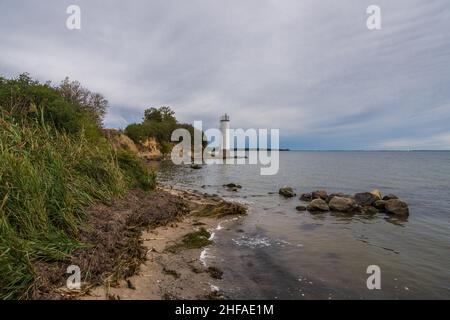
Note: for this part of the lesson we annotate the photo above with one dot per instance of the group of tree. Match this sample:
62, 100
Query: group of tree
158, 123
69, 106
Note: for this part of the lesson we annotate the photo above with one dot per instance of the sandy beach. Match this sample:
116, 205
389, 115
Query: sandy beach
180, 273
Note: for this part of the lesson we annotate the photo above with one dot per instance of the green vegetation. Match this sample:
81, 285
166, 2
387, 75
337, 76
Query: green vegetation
194, 240
137, 175
54, 163
158, 123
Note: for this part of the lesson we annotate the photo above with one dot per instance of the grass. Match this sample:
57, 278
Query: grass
47, 179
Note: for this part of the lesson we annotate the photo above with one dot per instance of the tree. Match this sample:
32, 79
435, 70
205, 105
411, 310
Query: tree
161, 114
152, 114
92, 102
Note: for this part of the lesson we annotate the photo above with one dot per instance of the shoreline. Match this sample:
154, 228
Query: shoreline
182, 273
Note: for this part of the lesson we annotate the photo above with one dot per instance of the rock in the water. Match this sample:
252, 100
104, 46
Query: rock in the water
300, 208
287, 192
377, 194
232, 185
380, 205
396, 206
319, 194
306, 197
341, 204
389, 197
318, 205
365, 198
338, 194
369, 210
196, 166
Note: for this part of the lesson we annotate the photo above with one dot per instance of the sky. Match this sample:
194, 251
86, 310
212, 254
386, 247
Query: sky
310, 68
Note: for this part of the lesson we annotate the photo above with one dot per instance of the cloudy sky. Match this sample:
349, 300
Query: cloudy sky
308, 67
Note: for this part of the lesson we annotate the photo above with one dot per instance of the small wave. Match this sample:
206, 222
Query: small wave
252, 242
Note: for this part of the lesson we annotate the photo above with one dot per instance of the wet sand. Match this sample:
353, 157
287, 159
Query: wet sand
184, 274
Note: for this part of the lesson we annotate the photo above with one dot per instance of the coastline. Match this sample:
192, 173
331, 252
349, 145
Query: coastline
176, 274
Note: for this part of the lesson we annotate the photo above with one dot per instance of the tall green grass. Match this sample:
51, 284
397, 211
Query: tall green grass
47, 179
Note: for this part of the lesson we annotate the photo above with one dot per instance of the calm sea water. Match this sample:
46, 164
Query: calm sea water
277, 252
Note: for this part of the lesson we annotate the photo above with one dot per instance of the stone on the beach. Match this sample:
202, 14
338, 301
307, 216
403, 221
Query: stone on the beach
380, 205
300, 208
396, 206
365, 198
377, 194
389, 197
319, 194
306, 197
338, 194
341, 204
318, 205
369, 210
286, 192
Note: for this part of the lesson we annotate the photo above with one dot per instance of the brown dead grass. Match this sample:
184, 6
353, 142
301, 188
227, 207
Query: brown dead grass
112, 233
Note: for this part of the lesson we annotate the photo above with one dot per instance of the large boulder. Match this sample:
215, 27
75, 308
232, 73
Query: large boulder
380, 205
306, 197
286, 192
369, 210
319, 194
341, 204
397, 207
338, 194
389, 197
376, 193
318, 205
365, 198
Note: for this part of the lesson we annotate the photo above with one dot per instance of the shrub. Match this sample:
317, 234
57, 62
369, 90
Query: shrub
137, 174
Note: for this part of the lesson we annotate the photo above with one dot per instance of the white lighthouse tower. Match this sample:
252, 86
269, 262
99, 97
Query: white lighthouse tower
225, 129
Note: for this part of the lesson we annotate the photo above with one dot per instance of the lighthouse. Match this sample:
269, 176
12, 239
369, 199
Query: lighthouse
225, 129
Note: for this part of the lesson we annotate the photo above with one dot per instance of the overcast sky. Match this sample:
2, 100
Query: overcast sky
308, 67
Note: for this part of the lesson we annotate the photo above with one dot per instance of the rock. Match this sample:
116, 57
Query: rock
232, 185
365, 198
286, 192
376, 193
396, 206
300, 208
306, 197
318, 205
390, 197
339, 194
196, 166
319, 194
380, 205
341, 204
369, 210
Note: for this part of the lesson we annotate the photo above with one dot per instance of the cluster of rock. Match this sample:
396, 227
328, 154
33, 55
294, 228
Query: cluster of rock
364, 202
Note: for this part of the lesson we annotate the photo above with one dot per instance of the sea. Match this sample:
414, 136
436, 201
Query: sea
277, 252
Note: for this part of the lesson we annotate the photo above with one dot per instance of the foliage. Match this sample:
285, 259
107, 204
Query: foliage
54, 163
135, 171
158, 123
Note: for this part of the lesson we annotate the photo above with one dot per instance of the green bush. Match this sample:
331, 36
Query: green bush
137, 174
47, 179
53, 165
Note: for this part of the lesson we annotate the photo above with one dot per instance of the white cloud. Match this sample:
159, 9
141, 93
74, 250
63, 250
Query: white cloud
310, 68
